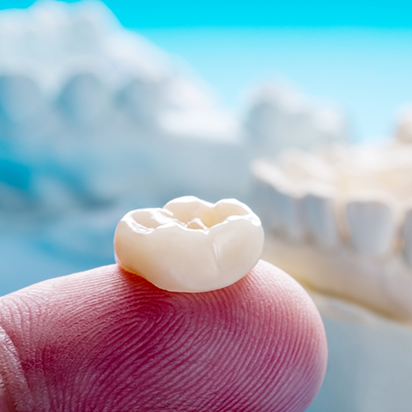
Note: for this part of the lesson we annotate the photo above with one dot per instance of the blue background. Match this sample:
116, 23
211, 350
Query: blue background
258, 13
354, 54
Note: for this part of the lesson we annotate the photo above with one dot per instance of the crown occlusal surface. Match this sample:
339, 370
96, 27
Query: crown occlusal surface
190, 245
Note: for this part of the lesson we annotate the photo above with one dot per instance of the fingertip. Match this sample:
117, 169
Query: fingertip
109, 339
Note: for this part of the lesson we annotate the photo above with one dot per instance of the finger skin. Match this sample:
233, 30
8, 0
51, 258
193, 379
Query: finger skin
107, 340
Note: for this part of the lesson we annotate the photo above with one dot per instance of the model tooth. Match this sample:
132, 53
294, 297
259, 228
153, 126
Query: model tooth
271, 112
20, 98
371, 224
280, 117
320, 216
280, 204
266, 176
288, 205
141, 98
83, 99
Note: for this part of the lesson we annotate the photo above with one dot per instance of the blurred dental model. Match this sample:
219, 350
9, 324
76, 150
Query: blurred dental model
339, 219
280, 117
91, 113
347, 209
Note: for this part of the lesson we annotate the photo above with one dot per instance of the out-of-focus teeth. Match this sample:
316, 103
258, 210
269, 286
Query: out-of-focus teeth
288, 206
21, 99
371, 225
83, 99
283, 204
265, 177
320, 217
346, 206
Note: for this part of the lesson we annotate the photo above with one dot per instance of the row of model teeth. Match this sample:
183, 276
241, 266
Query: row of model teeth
83, 98
373, 224
88, 98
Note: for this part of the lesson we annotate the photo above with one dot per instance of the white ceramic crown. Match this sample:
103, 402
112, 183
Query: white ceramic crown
190, 245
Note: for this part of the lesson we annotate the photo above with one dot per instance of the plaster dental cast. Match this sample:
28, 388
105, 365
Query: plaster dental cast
131, 336
339, 220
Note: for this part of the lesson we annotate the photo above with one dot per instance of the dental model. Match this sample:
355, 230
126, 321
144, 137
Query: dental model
86, 98
190, 245
279, 116
339, 220
92, 113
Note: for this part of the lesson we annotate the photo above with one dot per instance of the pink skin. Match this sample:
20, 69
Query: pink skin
106, 340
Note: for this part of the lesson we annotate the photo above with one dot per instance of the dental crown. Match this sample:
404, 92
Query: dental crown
190, 245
